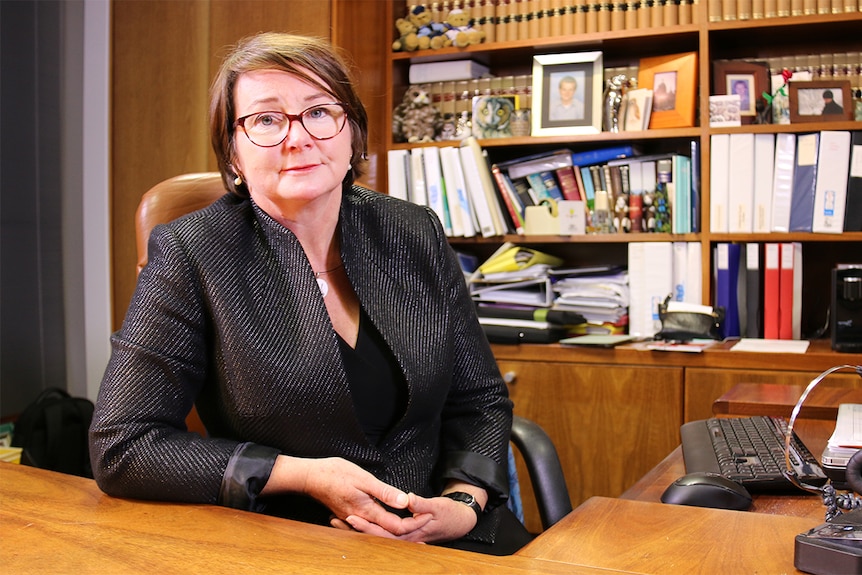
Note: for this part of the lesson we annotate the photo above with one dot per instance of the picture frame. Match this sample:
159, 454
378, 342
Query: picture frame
673, 80
808, 101
748, 79
560, 109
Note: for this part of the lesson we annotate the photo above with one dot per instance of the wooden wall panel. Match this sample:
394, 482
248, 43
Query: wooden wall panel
158, 117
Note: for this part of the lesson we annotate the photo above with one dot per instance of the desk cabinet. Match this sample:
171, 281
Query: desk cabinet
610, 424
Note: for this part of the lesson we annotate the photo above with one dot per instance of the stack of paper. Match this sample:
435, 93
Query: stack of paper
600, 295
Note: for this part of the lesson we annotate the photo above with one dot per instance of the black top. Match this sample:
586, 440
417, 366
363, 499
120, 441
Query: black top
376, 382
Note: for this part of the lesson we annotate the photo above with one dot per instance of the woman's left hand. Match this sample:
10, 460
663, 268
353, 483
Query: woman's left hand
447, 520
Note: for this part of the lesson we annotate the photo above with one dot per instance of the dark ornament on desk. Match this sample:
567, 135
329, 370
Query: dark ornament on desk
416, 119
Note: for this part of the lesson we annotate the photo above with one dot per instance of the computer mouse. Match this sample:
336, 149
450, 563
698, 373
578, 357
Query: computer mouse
707, 490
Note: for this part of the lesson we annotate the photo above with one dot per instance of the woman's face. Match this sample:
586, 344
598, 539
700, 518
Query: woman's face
300, 169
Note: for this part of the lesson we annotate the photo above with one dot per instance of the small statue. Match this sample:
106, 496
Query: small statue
615, 88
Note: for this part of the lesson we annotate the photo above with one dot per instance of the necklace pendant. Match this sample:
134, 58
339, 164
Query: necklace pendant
324, 287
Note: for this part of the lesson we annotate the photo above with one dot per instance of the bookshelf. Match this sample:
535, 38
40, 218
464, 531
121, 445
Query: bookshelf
579, 396
752, 39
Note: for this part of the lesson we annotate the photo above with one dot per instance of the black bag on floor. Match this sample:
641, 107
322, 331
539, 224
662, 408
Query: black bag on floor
52, 431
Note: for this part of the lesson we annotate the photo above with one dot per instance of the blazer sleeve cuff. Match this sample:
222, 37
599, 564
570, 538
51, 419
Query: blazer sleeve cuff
247, 472
481, 471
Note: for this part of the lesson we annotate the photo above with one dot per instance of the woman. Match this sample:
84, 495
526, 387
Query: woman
324, 332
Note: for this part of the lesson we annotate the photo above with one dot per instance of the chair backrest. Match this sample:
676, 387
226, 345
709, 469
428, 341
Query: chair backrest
544, 468
170, 199
164, 202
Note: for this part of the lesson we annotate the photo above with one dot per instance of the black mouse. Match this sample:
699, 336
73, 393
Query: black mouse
707, 490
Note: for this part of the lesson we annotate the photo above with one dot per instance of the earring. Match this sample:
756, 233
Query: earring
237, 181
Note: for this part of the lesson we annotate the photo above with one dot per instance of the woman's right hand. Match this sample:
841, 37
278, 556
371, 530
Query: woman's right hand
346, 489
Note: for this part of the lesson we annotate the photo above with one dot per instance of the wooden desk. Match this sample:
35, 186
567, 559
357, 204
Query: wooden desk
638, 533
58, 524
657, 539
813, 433
779, 400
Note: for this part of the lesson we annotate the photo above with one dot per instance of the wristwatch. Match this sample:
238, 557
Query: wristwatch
466, 499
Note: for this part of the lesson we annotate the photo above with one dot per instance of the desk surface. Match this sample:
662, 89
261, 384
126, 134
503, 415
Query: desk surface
658, 539
638, 533
54, 523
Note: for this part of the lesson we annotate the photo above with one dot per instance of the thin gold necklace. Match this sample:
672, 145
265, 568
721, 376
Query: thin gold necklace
321, 283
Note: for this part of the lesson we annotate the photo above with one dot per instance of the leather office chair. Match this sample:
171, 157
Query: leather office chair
164, 202
168, 200
544, 468
183, 194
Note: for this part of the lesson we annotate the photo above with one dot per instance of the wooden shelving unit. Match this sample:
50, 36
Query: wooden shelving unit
614, 414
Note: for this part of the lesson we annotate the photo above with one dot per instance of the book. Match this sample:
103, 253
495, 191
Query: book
719, 182
790, 291
681, 179
479, 199
764, 168
771, 280
650, 282
740, 197
460, 208
398, 171
694, 274
473, 154
435, 186
568, 183
830, 191
535, 163
695, 185
601, 155
510, 199
418, 191
853, 207
589, 190
427, 72
638, 108
726, 287
753, 292
804, 181
782, 181
544, 186
680, 270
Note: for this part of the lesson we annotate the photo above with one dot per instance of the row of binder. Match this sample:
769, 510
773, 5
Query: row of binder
762, 183
760, 288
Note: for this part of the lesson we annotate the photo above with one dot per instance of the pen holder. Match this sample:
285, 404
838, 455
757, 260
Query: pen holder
688, 325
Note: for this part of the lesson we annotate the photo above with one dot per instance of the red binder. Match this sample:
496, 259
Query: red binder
770, 290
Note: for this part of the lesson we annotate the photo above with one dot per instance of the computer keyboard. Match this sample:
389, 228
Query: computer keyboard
748, 450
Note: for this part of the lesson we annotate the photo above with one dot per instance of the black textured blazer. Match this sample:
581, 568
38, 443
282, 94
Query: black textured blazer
227, 315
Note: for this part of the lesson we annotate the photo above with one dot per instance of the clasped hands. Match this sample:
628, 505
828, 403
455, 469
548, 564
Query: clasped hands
359, 501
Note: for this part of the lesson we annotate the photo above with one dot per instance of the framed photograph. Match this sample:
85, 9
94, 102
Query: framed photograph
567, 94
820, 101
749, 80
673, 81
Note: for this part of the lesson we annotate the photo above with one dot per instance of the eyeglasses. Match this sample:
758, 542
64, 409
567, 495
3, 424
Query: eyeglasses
268, 129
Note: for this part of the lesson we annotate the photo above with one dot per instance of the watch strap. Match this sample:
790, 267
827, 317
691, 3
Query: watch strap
466, 499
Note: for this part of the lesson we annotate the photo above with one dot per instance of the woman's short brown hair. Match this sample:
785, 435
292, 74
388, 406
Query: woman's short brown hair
295, 55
